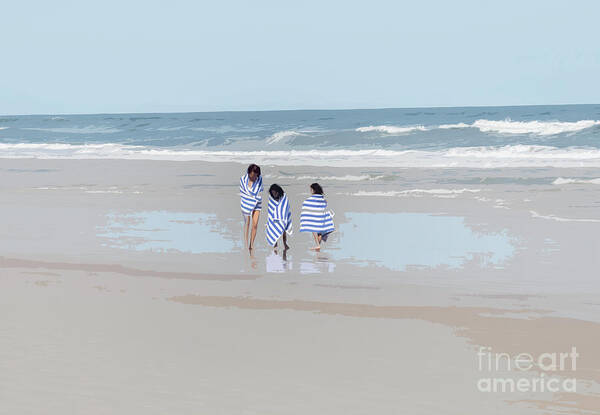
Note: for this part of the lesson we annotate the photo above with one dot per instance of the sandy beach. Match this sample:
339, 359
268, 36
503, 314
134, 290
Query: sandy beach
437, 172
125, 289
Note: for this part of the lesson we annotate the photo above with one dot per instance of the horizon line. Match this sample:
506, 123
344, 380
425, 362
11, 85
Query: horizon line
299, 109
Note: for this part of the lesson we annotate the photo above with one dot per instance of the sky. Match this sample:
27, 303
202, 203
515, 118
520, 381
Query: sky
176, 56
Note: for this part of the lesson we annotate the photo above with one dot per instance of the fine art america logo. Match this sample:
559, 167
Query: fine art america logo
526, 372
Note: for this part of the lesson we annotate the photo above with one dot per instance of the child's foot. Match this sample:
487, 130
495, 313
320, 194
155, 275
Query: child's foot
316, 248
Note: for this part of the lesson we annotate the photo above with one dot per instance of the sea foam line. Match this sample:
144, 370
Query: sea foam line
468, 157
415, 192
507, 126
560, 181
536, 215
346, 178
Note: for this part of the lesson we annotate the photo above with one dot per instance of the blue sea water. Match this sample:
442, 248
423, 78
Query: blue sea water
564, 135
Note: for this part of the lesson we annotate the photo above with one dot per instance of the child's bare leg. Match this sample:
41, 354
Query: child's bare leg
317, 247
285, 245
246, 229
255, 216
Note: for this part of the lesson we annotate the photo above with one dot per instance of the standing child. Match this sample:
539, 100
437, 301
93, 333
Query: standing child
279, 222
315, 217
251, 187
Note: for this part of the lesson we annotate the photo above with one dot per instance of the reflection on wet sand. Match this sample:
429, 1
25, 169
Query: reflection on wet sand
318, 264
396, 241
164, 231
401, 240
277, 264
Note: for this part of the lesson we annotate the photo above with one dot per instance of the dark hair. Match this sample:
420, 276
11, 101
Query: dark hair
276, 191
254, 168
317, 188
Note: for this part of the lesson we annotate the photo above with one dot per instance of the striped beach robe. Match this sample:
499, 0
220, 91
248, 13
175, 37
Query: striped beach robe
279, 220
315, 217
250, 197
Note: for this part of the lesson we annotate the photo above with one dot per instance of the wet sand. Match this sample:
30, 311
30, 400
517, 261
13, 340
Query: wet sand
126, 289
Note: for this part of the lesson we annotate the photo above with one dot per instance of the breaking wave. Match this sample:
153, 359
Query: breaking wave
561, 180
533, 127
282, 136
540, 128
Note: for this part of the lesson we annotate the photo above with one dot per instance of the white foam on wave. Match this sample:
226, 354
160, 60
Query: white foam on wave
536, 215
525, 152
282, 136
468, 157
111, 190
104, 191
345, 178
561, 180
390, 129
533, 127
507, 126
3, 128
454, 126
415, 192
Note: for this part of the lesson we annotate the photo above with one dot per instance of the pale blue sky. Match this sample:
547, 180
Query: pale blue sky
151, 56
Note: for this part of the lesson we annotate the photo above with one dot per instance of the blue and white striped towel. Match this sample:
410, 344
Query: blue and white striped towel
280, 219
250, 196
315, 217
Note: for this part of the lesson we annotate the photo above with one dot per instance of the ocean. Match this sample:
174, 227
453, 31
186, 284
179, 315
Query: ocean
472, 137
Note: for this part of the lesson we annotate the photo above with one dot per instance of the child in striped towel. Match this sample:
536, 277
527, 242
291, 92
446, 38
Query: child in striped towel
251, 187
315, 217
279, 222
